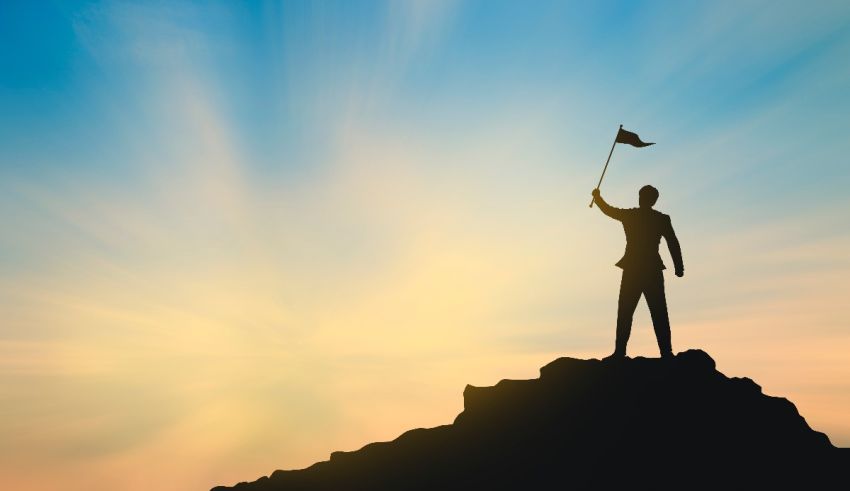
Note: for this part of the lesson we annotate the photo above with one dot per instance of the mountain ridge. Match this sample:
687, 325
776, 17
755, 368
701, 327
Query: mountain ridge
593, 423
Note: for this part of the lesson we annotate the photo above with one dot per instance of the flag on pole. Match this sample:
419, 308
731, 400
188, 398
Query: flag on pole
632, 139
623, 136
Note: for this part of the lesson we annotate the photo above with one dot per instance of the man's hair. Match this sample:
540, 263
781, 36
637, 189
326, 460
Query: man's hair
647, 195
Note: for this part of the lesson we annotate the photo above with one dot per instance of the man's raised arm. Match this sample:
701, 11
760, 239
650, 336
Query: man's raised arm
675, 249
611, 211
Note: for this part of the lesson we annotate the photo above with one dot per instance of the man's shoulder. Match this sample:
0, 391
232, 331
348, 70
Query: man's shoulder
629, 214
661, 216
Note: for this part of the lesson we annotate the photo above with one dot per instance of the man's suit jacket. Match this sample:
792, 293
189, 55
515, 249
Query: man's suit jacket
644, 228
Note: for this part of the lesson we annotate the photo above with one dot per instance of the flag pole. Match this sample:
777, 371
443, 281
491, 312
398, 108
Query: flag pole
606, 164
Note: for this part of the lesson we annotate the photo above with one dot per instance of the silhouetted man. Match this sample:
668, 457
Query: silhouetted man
642, 266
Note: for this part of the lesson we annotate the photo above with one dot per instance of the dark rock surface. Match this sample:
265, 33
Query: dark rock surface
645, 423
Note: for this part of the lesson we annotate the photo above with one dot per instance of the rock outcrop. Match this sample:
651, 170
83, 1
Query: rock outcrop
645, 423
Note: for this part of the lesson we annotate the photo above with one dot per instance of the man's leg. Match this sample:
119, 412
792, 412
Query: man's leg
630, 290
657, 301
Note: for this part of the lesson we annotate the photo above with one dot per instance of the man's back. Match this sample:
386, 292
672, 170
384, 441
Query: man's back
644, 228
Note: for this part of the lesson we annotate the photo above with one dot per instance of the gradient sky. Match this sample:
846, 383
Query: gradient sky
236, 237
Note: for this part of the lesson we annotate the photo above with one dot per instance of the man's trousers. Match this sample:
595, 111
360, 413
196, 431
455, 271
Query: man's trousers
650, 284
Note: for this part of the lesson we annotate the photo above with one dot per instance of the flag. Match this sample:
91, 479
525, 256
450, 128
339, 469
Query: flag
632, 139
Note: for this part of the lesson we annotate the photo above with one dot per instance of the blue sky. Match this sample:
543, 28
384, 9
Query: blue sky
310, 224
66, 71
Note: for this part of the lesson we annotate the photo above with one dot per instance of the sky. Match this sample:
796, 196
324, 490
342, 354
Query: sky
237, 236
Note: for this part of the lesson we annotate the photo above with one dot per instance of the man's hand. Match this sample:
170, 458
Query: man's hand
596, 193
680, 272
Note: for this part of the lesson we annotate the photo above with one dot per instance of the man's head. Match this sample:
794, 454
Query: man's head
647, 196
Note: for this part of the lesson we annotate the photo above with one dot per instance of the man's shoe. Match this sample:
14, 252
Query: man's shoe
667, 355
615, 356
